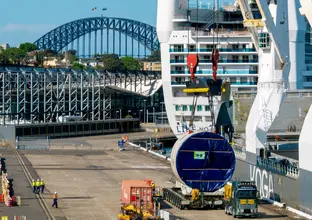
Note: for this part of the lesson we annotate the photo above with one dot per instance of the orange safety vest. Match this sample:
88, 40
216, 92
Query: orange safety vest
54, 196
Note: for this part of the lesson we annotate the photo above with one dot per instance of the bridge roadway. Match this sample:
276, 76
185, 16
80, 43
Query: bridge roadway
88, 178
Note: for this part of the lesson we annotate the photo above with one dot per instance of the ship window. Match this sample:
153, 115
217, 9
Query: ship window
245, 59
177, 108
199, 108
235, 46
207, 108
191, 108
264, 39
235, 59
192, 48
184, 107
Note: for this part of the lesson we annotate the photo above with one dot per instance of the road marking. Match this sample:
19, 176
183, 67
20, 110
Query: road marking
41, 200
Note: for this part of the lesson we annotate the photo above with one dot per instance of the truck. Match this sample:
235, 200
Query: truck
242, 199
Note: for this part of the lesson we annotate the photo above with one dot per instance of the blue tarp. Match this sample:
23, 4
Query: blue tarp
205, 161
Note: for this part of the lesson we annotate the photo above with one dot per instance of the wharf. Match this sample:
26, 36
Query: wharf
30, 206
88, 180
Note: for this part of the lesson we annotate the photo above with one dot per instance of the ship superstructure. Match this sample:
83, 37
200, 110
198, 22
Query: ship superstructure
196, 31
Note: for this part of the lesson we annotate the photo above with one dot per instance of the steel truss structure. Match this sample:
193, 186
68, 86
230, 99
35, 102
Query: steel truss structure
37, 95
62, 36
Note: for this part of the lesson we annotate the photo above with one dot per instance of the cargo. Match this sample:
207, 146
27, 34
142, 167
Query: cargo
203, 161
133, 191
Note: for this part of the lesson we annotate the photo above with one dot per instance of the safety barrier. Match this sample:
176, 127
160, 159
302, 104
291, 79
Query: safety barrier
287, 170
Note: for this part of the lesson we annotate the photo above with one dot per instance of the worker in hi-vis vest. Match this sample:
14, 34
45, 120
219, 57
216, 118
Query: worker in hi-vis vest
54, 200
33, 184
38, 186
42, 185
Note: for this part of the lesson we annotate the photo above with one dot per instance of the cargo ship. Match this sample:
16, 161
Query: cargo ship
268, 152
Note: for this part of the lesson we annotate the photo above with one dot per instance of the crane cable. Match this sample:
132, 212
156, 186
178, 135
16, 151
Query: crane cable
215, 52
192, 62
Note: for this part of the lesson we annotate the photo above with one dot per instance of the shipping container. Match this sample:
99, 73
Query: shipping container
133, 191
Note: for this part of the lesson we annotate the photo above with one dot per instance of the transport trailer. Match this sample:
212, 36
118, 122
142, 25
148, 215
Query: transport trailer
202, 162
193, 200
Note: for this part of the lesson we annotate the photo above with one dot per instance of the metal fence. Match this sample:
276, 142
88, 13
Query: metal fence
32, 143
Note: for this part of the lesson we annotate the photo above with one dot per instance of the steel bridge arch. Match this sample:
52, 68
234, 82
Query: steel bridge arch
60, 37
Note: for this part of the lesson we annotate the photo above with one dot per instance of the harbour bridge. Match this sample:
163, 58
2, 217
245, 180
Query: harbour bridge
100, 35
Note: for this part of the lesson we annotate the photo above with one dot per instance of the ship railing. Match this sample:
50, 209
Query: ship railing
274, 166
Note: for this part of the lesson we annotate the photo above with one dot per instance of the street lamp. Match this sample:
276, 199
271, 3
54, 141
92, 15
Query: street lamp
119, 114
162, 112
154, 115
144, 110
141, 110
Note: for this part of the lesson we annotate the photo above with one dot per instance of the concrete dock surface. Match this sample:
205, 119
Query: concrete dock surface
88, 180
30, 206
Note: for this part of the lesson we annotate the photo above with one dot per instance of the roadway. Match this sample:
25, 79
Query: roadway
88, 178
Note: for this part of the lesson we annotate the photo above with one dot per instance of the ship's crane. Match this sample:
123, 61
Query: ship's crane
266, 22
273, 66
306, 10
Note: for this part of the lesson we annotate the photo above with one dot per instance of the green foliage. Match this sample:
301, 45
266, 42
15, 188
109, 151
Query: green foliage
111, 62
130, 63
13, 55
128, 116
78, 66
27, 47
71, 56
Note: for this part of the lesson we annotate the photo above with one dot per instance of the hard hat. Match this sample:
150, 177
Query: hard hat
33, 180
41, 179
37, 179
55, 193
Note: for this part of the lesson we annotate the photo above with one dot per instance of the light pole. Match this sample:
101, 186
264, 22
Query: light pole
119, 114
141, 110
154, 115
162, 112
144, 110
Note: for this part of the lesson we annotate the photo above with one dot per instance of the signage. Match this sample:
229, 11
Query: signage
263, 180
199, 155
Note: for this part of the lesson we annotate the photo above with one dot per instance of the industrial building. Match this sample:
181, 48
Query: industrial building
65, 102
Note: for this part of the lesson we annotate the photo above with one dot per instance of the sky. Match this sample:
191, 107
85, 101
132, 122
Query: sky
26, 21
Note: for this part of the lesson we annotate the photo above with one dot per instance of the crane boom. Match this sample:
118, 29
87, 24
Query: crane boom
248, 16
306, 10
267, 22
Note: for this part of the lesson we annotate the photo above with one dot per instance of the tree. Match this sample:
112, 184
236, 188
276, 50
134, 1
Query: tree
78, 66
130, 63
27, 47
13, 55
112, 62
71, 55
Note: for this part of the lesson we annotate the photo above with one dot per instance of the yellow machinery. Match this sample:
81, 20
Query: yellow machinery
130, 212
